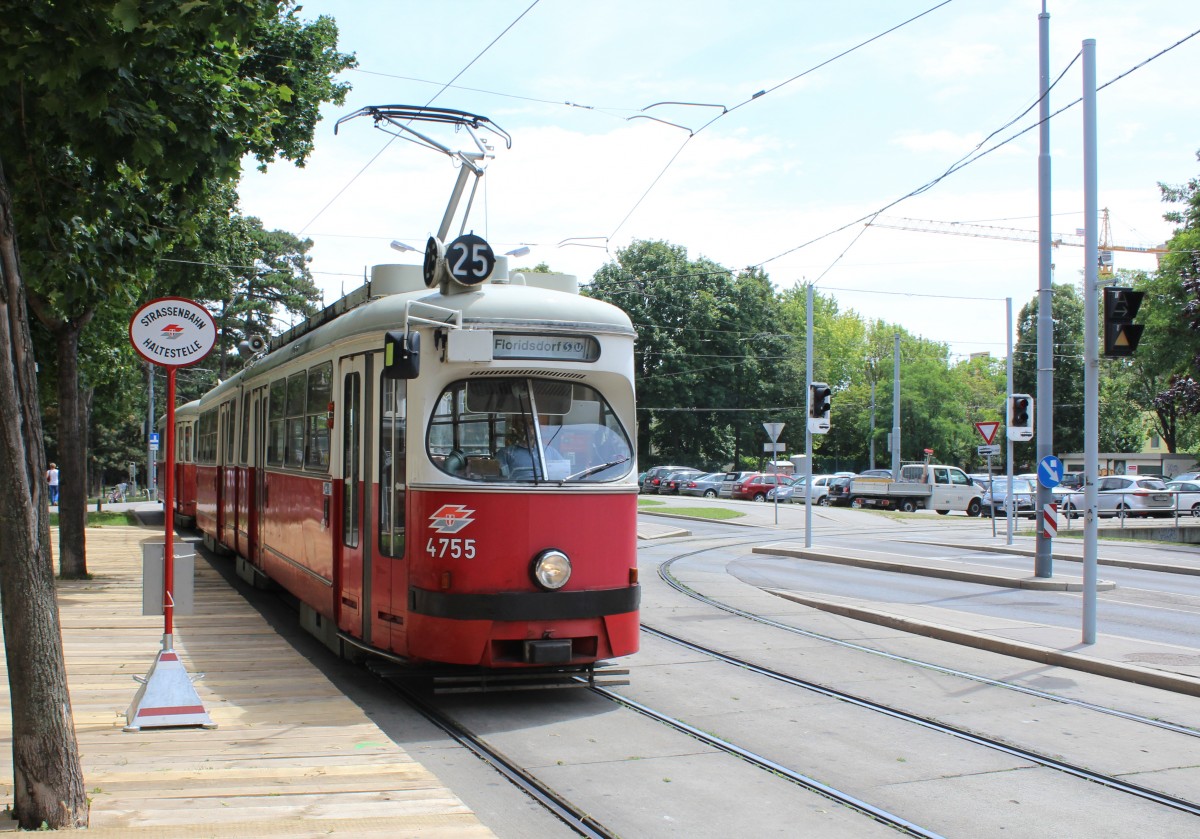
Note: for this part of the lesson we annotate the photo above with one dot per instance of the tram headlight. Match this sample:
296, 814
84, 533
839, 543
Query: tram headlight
551, 569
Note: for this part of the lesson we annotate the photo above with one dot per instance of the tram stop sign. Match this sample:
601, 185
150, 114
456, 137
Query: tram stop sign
172, 332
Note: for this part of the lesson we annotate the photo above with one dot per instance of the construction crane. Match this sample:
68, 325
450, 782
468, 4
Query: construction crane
985, 231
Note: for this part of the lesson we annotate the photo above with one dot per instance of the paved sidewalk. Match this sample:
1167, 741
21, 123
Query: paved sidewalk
291, 756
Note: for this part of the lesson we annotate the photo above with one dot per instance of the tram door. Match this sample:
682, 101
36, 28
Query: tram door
258, 480
244, 475
350, 497
389, 464
227, 473
224, 471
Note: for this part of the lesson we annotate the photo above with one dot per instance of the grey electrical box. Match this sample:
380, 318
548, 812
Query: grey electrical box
183, 585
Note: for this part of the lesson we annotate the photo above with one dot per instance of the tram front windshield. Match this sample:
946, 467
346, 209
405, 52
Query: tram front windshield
527, 430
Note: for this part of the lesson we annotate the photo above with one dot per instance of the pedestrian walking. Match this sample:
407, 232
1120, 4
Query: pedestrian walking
52, 482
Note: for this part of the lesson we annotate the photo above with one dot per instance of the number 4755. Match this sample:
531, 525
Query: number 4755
442, 547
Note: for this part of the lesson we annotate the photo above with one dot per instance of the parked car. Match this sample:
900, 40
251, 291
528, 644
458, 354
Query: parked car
731, 478
654, 476
981, 480
706, 486
672, 481
796, 491
875, 473
756, 487
1187, 496
1187, 476
995, 502
839, 492
1072, 480
790, 489
1124, 495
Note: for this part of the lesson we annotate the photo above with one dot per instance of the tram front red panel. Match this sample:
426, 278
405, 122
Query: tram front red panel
469, 584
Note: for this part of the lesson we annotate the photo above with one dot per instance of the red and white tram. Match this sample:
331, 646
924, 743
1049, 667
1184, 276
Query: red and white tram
443, 474
184, 506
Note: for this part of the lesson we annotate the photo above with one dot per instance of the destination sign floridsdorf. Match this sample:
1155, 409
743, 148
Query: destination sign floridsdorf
172, 332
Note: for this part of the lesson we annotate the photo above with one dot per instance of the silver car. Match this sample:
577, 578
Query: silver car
1125, 495
731, 478
703, 486
995, 502
1187, 495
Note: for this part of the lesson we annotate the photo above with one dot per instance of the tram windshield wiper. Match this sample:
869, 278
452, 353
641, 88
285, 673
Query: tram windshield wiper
592, 470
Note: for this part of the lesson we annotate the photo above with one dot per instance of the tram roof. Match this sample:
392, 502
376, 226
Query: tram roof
493, 305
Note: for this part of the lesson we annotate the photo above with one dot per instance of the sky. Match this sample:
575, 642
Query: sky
859, 106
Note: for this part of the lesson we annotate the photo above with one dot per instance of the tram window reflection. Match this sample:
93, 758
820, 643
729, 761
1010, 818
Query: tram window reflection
576, 435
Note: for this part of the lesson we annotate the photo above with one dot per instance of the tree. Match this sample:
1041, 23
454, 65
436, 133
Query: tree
705, 340
1180, 272
115, 116
839, 359
279, 280
119, 150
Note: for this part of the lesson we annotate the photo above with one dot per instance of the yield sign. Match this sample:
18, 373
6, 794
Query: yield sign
987, 430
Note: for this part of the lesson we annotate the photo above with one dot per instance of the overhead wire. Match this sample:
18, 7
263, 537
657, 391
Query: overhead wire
431, 100
726, 111
976, 155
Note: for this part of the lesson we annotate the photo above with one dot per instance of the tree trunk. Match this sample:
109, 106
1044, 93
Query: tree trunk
72, 451
48, 786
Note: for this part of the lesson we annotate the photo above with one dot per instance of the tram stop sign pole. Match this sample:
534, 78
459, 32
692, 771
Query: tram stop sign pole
171, 332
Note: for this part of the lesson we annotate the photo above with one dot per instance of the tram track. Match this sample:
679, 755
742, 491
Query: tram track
574, 817
577, 817
664, 572
1011, 750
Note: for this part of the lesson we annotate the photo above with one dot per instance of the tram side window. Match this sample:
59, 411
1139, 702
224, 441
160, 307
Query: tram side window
230, 432
183, 443
244, 454
206, 441
316, 420
297, 387
392, 464
276, 432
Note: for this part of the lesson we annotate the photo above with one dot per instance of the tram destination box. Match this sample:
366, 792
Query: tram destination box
152, 578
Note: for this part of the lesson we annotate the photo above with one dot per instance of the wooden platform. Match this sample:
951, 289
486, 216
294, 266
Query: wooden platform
291, 757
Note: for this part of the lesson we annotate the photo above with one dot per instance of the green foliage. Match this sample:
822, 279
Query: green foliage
1067, 308
705, 352
719, 353
1175, 296
124, 127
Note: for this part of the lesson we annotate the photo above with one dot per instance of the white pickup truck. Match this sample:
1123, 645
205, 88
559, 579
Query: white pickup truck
920, 486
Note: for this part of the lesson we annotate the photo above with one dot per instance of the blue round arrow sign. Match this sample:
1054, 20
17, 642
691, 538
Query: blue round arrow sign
1050, 471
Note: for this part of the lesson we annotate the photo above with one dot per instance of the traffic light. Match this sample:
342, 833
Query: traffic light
1121, 334
819, 402
1020, 417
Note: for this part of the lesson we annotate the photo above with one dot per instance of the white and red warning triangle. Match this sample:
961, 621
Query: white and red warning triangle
987, 430
166, 698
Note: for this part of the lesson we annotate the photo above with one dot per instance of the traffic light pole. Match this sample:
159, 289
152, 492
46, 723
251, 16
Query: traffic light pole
1008, 452
1044, 418
896, 409
808, 374
1091, 348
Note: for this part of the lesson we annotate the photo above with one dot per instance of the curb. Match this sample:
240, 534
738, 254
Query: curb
1160, 679
734, 522
1032, 583
1116, 563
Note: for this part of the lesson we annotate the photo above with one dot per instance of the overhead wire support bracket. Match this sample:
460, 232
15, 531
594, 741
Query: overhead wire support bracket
690, 132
